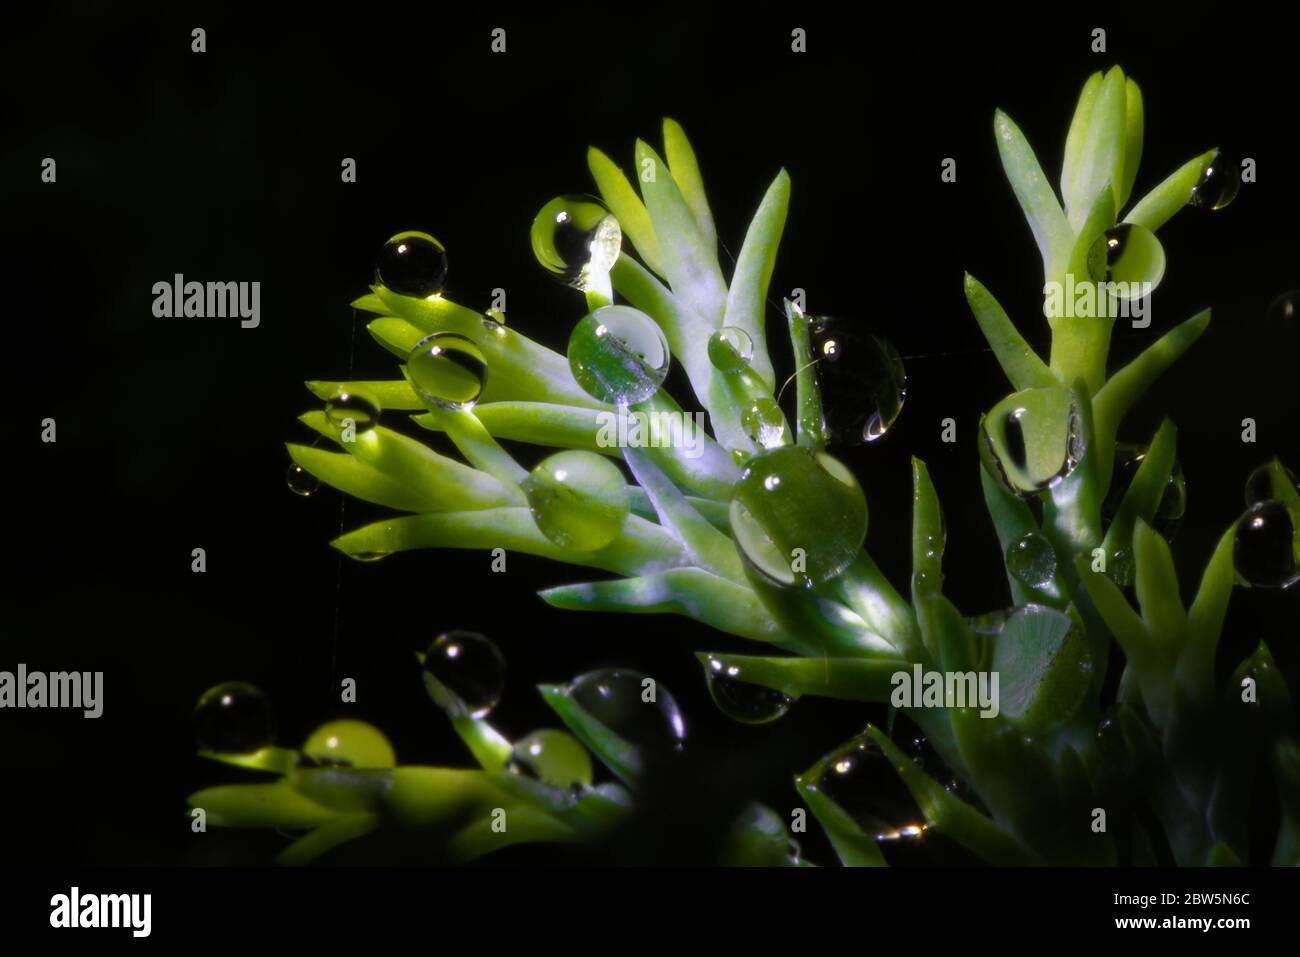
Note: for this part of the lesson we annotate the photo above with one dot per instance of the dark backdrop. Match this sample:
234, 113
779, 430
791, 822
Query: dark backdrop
225, 166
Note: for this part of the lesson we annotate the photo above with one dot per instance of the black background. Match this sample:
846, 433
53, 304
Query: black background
225, 166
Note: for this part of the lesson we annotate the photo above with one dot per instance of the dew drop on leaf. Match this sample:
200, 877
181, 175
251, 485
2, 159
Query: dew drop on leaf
349, 744
861, 379
1128, 254
1266, 549
465, 673
1032, 559
639, 710
448, 371
352, 408
233, 718
1032, 440
578, 499
412, 264
1261, 484
1219, 183
730, 349
576, 238
619, 355
743, 700
764, 422
300, 481
553, 757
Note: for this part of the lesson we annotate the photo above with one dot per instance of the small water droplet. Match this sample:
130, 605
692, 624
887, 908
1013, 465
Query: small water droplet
234, 718
349, 744
1032, 559
465, 672
798, 516
730, 349
1260, 486
1266, 551
412, 264
1173, 503
553, 757
578, 499
300, 481
346, 408
743, 700
764, 422
1128, 254
447, 370
617, 698
576, 238
1219, 183
1032, 440
1285, 307
619, 355
861, 378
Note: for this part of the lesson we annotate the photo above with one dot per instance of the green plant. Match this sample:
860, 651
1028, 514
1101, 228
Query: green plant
757, 532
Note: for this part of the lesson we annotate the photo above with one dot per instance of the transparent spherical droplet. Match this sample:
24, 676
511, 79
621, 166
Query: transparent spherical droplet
412, 264
553, 757
233, 718
447, 370
861, 378
352, 409
730, 349
743, 700
764, 422
1032, 559
465, 672
1266, 551
579, 499
300, 481
1220, 180
349, 744
576, 238
1128, 255
1285, 307
1173, 503
798, 516
619, 355
635, 707
1261, 484
1032, 440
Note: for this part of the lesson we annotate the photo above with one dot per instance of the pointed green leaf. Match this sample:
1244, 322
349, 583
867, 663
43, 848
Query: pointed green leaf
1158, 206
686, 172
747, 297
1133, 133
1101, 156
852, 679
1019, 362
626, 206
1126, 386
392, 396
1072, 167
354, 477
1042, 209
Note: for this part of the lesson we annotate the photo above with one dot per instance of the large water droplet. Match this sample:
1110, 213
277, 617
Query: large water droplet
349, 744
730, 349
1032, 559
233, 718
1173, 503
764, 422
579, 499
447, 370
465, 672
553, 757
1220, 180
576, 238
1266, 551
743, 700
354, 409
798, 516
300, 481
412, 264
636, 708
619, 355
1127, 254
1032, 440
861, 379
1261, 485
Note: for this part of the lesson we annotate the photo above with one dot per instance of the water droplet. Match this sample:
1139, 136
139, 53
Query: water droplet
617, 698
576, 238
861, 379
1220, 180
743, 700
447, 370
349, 744
368, 556
990, 624
764, 422
465, 672
412, 264
730, 349
1032, 440
1032, 559
1266, 551
352, 408
798, 516
234, 718
1261, 485
300, 481
1173, 503
619, 355
553, 757
579, 499
1285, 307
1128, 254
